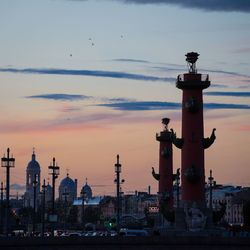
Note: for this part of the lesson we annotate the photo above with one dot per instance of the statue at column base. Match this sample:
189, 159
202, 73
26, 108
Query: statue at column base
195, 219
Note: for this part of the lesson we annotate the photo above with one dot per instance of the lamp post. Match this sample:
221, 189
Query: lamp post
177, 183
54, 173
35, 182
1, 207
118, 168
7, 162
211, 183
83, 193
65, 194
43, 205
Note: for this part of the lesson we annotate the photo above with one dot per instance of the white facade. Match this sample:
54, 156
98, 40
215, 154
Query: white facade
226, 195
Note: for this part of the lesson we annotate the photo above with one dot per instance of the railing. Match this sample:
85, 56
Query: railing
203, 77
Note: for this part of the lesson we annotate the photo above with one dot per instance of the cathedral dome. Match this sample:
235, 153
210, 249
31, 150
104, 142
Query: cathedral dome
68, 183
33, 164
68, 186
86, 189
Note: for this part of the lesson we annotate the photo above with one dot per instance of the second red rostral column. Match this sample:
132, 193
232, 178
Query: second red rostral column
193, 143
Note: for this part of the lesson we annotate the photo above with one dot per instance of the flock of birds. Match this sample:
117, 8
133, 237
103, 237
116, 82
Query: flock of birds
93, 44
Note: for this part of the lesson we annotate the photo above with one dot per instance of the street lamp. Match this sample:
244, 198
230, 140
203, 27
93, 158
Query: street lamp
65, 194
177, 184
118, 169
211, 183
7, 162
43, 206
35, 182
1, 207
54, 173
83, 194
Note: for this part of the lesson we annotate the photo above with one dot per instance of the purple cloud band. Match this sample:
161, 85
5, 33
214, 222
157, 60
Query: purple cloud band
207, 5
137, 106
94, 73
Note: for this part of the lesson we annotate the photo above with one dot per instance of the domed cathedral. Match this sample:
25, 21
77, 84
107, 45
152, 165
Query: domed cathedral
32, 182
86, 190
68, 189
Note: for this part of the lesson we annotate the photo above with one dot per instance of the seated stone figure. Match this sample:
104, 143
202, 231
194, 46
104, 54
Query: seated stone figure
195, 219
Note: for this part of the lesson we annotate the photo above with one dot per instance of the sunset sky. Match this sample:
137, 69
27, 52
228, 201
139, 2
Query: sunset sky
83, 81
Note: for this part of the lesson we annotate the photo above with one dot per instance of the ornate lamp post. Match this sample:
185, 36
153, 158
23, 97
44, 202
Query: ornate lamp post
7, 162
177, 184
1, 207
211, 183
118, 168
54, 173
65, 194
83, 194
43, 206
35, 182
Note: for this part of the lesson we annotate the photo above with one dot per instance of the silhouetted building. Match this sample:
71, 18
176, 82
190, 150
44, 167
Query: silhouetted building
68, 186
86, 189
32, 174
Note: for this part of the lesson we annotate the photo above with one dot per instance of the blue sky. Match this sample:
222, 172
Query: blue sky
70, 64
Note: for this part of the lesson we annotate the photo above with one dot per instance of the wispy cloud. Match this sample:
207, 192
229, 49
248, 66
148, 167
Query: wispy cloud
130, 60
235, 94
242, 50
119, 100
244, 128
137, 106
59, 97
69, 109
225, 106
79, 121
223, 72
94, 73
180, 68
208, 5
142, 105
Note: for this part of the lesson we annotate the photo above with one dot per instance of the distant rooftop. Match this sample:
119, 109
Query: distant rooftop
94, 201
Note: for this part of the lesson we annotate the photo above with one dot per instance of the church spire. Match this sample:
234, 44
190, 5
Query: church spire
33, 155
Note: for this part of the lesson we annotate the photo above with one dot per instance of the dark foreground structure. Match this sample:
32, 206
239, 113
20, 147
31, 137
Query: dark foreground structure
146, 243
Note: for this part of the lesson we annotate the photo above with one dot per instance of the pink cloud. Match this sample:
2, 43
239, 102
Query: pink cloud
244, 128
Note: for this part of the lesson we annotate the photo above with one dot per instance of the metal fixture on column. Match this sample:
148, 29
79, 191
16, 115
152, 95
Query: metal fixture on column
1, 207
211, 183
118, 168
35, 182
55, 173
7, 162
43, 206
177, 184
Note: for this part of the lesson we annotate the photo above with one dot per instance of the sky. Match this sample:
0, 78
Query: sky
83, 81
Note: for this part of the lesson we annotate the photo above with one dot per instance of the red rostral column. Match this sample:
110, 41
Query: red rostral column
192, 143
165, 176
